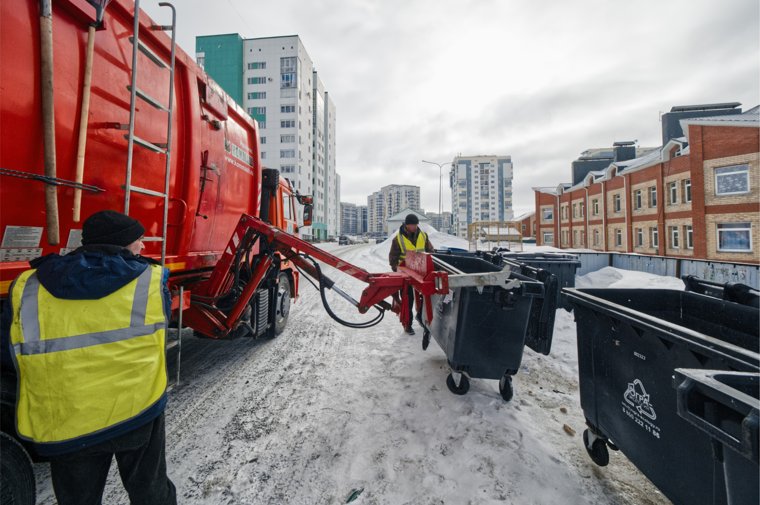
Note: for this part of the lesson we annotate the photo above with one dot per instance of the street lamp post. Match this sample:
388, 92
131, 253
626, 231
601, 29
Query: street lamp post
440, 184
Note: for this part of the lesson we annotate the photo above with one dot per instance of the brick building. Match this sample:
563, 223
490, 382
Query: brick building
698, 196
527, 224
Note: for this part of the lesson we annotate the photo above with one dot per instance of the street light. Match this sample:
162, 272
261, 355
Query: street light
440, 183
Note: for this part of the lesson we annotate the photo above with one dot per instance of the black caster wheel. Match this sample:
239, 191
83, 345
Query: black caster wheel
425, 340
598, 450
464, 384
505, 388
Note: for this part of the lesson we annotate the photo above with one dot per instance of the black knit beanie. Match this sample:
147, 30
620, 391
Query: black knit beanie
111, 227
411, 219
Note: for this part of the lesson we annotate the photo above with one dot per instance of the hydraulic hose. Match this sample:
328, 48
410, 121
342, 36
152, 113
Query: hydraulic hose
326, 283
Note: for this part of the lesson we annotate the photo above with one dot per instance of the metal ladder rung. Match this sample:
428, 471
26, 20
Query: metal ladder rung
156, 148
153, 239
149, 192
150, 54
148, 99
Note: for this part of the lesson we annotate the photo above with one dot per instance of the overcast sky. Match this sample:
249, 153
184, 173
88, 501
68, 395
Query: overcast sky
538, 80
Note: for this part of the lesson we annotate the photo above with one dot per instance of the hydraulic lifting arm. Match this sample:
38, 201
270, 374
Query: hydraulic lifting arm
254, 254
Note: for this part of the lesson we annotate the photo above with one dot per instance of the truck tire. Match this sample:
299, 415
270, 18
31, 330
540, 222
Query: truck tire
282, 303
16, 474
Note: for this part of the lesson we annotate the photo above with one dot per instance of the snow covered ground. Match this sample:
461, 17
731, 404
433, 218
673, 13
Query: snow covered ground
324, 412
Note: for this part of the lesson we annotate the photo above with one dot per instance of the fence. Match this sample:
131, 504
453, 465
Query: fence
717, 271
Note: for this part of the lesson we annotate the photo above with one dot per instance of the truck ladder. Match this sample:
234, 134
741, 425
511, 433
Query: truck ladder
133, 140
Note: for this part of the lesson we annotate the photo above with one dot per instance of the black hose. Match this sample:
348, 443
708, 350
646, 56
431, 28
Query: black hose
321, 289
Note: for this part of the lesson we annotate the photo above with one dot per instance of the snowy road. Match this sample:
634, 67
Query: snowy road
323, 410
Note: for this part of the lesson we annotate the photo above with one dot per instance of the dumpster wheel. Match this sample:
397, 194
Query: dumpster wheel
505, 387
462, 388
597, 450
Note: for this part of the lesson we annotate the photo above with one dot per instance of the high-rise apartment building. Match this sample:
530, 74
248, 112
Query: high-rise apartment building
275, 81
388, 201
349, 217
481, 190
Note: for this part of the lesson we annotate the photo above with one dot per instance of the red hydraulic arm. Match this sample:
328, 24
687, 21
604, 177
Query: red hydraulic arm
256, 247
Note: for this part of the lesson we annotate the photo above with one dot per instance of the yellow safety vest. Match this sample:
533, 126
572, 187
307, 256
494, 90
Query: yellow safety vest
87, 365
407, 245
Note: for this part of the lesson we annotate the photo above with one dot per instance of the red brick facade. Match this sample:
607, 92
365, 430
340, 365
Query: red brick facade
527, 225
703, 204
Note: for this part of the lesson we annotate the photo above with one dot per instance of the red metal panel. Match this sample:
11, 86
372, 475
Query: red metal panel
193, 242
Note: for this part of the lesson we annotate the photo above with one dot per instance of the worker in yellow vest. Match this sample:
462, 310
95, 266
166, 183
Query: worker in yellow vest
409, 238
88, 340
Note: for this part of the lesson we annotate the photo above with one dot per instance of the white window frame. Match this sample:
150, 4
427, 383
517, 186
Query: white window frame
687, 191
596, 237
652, 197
675, 237
688, 233
617, 203
654, 236
639, 237
637, 199
595, 206
618, 237
550, 236
673, 193
747, 228
744, 168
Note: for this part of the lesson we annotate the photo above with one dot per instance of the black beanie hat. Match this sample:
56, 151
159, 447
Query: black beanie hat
411, 219
111, 227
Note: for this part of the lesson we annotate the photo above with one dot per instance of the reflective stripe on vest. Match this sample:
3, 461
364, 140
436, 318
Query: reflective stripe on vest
30, 322
86, 366
407, 244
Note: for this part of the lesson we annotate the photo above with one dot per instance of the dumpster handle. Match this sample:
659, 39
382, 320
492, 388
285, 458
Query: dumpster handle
688, 389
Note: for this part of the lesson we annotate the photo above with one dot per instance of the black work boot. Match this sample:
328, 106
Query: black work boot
409, 330
418, 318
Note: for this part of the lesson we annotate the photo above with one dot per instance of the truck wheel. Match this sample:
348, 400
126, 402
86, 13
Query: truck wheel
505, 387
598, 450
17, 476
282, 309
464, 385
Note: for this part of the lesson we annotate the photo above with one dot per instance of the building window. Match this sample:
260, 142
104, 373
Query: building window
616, 203
654, 237
581, 209
735, 237
637, 199
618, 237
688, 233
575, 237
287, 169
732, 180
595, 206
673, 193
262, 125
675, 242
255, 65
687, 190
639, 237
261, 111
288, 123
257, 80
263, 140
287, 153
596, 237
287, 108
288, 72
548, 237
287, 139
653, 196
547, 214
257, 95
575, 210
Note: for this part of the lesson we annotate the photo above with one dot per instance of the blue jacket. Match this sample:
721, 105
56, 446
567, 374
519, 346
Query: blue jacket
90, 272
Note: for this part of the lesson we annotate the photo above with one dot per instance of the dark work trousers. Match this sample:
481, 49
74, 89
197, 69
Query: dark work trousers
410, 304
79, 477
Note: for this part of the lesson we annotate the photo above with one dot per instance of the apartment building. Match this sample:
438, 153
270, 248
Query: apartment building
274, 79
481, 190
697, 196
386, 202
